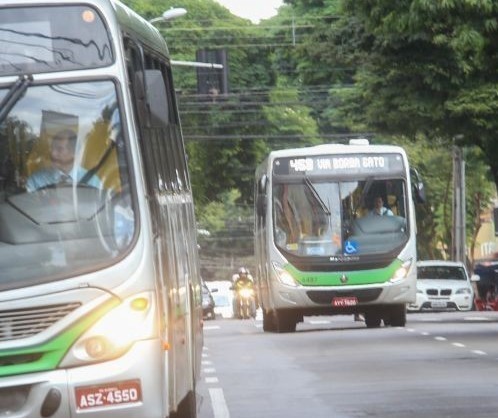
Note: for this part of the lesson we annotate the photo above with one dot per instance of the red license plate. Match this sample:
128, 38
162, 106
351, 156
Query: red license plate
115, 393
344, 302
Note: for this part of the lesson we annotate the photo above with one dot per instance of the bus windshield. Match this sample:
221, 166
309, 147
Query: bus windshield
65, 200
324, 217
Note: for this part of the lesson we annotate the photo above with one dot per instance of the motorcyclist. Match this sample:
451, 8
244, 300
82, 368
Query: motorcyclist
242, 280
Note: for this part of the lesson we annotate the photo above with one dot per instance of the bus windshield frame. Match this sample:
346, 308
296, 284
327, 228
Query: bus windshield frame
323, 207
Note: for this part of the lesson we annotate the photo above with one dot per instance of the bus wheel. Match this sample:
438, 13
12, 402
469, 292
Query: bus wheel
187, 407
268, 321
285, 321
397, 315
372, 319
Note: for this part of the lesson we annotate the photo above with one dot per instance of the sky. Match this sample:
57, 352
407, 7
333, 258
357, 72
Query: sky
255, 10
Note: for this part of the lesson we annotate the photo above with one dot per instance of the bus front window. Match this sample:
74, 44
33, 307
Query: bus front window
324, 218
65, 202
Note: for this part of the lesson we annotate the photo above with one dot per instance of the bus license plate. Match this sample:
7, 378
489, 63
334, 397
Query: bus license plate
116, 393
346, 301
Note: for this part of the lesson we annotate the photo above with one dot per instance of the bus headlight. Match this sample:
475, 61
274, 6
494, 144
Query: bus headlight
114, 333
284, 276
402, 272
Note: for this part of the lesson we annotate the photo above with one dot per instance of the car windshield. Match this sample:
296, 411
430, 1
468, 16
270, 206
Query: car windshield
221, 300
441, 273
64, 183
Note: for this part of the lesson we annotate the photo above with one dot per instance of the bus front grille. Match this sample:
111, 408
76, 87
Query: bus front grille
26, 322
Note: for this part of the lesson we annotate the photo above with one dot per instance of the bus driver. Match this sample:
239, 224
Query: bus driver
63, 169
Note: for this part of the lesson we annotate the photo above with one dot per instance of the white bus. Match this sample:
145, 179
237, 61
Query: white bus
320, 248
100, 295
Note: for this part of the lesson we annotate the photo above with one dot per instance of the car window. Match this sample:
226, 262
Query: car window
441, 273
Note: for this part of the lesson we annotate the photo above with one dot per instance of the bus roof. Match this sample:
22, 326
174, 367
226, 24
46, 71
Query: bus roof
336, 149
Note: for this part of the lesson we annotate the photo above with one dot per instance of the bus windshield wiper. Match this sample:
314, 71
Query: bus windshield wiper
15, 92
317, 197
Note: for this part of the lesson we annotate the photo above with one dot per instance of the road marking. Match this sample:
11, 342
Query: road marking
209, 327
220, 409
440, 339
458, 345
476, 318
480, 353
209, 370
425, 333
318, 322
207, 362
211, 380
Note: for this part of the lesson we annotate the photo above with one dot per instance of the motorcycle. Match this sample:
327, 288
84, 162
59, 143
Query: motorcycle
245, 303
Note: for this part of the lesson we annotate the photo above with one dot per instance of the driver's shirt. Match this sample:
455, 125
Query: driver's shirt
49, 176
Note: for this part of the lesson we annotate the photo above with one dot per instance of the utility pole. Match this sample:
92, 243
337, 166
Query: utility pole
458, 250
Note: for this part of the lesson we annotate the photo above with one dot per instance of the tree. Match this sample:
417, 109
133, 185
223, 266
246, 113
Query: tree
429, 67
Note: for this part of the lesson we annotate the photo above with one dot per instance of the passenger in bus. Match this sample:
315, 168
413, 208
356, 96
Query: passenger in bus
379, 209
63, 168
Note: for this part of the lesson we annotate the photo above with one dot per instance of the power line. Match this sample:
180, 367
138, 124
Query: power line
228, 137
207, 24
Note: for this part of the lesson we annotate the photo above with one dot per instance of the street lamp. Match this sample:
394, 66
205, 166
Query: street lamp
170, 14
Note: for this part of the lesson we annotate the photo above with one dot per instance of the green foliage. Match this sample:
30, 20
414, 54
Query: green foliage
420, 73
429, 67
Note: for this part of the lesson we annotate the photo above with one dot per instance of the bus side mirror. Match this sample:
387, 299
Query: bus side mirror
261, 196
261, 206
418, 186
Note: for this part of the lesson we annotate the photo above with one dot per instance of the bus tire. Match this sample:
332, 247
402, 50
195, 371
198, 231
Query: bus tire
187, 407
397, 315
268, 321
372, 319
285, 321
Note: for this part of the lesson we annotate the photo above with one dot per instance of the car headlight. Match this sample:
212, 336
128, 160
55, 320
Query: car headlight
284, 276
463, 291
420, 291
115, 332
402, 272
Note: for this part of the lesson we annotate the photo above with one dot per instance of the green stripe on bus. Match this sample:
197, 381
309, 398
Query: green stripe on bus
336, 278
47, 356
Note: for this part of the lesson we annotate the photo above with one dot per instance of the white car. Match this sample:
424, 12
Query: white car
222, 293
443, 285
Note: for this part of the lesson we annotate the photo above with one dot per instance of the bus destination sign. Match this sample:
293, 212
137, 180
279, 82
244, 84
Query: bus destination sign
343, 164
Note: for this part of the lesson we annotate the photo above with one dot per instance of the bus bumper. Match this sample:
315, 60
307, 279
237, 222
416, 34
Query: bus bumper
337, 300
127, 387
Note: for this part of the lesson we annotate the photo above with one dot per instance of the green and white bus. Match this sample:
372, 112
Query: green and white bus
320, 248
100, 293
